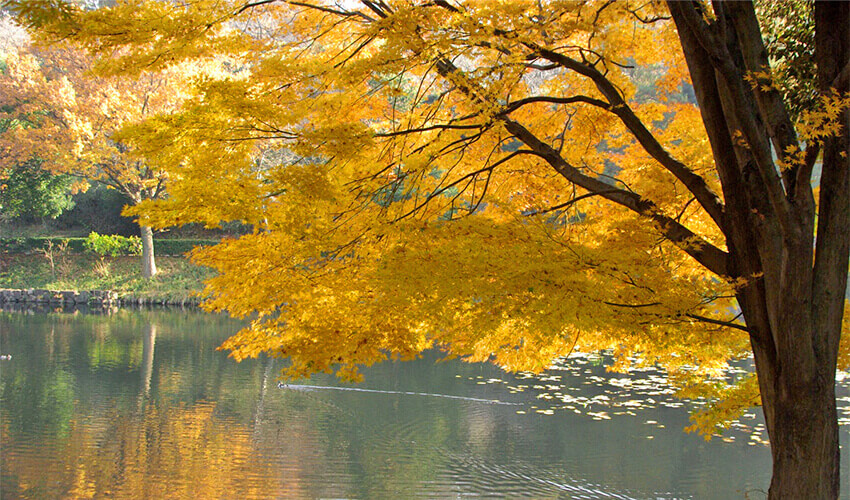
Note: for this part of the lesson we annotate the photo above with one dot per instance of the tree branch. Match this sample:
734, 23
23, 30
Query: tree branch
718, 322
769, 100
428, 129
714, 259
513, 106
702, 251
632, 306
617, 105
720, 57
251, 5
566, 204
344, 13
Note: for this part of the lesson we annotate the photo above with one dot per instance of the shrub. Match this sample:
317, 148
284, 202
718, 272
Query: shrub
30, 193
112, 245
98, 209
19, 245
34, 245
179, 247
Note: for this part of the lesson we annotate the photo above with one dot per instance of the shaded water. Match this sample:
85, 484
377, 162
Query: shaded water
141, 405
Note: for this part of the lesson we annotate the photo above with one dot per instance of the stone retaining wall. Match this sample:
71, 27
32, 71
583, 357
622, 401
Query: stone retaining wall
96, 298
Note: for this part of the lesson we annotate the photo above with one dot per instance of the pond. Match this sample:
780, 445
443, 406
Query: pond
139, 404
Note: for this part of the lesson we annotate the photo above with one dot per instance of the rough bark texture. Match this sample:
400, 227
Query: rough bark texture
793, 302
148, 261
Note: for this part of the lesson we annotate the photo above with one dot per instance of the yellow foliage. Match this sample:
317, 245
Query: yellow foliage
726, 403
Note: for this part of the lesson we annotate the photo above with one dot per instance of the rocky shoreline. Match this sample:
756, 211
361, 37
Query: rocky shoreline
90, 298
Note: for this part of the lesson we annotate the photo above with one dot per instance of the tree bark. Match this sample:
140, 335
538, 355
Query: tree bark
148, 260
798, 400
804, 438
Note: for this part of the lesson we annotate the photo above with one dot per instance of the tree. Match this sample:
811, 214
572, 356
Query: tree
57, 114
30, 192
479, 177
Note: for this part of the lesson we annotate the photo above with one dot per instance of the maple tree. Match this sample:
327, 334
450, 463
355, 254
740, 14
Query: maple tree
484, 178
55, 113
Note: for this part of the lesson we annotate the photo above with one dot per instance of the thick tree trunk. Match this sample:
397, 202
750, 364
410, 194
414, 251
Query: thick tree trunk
802, 425
796, 376
804, 442
148, 261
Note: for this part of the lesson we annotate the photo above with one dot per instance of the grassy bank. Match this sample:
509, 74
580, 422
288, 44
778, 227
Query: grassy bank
177, 278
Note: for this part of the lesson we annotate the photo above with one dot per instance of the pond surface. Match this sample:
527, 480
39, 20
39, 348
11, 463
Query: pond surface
141, 405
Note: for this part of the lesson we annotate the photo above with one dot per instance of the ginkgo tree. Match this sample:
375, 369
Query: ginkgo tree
481, 177
56, 113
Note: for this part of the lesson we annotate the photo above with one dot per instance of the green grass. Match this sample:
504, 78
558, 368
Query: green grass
177, 277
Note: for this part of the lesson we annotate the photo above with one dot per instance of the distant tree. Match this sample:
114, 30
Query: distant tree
53, 110
99, 209
31, 193
12, 35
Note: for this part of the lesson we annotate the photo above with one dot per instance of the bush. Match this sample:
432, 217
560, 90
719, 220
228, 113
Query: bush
31, 193
179, 247
113, 245
176, 247
30, 245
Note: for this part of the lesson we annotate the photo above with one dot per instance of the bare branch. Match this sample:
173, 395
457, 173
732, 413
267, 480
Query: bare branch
428, 129
702, 251
251, 5
471, 175
513, 106
713, 321
566, 204
632, 306
344, 13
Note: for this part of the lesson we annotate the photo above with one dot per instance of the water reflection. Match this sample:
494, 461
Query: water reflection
141, 405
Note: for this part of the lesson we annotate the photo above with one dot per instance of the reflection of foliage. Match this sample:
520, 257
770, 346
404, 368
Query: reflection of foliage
184, 448
107, 352
62, 409
203, 432
37, 395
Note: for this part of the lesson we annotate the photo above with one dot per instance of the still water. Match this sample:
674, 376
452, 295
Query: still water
141, 405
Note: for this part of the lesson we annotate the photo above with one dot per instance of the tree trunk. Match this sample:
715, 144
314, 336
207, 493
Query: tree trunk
793, 300
802, 424
796, 374
148, 262
804, 442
